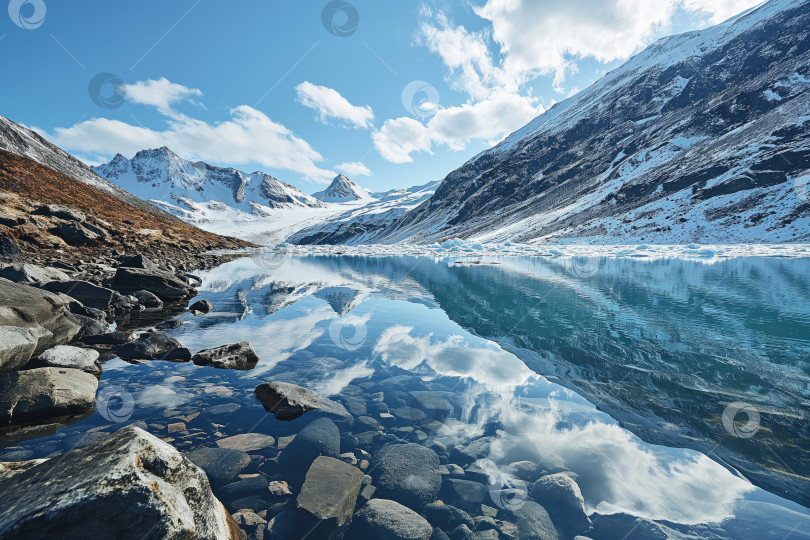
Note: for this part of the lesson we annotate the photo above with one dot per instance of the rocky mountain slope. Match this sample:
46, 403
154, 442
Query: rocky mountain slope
357, 225
21, 141
342, 190
193, 189
702, 137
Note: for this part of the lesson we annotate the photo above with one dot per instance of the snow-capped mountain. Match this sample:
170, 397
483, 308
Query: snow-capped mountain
343, 190
358, 225
702, 137
24, 142
192, 189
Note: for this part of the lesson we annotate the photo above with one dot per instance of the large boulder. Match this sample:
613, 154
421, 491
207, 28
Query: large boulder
221, 465
235, 356
560, 495
30, 273
325, 505
85, 292
161, 283
138, 261
65, 356
61, 212
43, 393
9, 252
287, 402
201, 308
153, 346
75, 234
31, 320
127, 485
321, 437
384, 519
407, 473
533, 522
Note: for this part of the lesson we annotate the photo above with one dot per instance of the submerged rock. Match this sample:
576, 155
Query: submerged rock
65, 356
43, 393
465, 494
221, 465
128, 485
247, 442
31, 320
407, 473
320, 437
560, 495
325, 505
235, 356
287, 401
154, 346
201, 308
383, 519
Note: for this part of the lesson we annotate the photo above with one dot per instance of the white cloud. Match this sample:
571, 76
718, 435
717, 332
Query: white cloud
454, 127
161, 94
354, 168
249, 136
331, 105
720, 10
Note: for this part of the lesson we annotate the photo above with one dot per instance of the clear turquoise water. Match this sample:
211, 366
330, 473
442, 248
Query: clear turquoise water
676, 390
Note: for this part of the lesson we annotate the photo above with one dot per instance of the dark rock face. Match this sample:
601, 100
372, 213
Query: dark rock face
383, 519
154, 346
148, 300
408, 474
138, 261
110, 338
164, 285
9, 252
325, 505
129, 484
75, 234
235, 356
43, 393
287, 402
222, 465
560, 495
38, 321
85, 292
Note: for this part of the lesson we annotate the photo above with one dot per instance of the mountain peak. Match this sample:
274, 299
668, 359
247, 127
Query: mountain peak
342, 190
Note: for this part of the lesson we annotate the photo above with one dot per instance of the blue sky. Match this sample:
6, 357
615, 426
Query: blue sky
393, 94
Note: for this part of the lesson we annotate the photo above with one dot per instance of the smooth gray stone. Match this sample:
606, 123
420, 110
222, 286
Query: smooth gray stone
325, 505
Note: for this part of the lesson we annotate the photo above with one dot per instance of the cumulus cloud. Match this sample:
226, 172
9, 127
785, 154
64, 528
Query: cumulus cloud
161, 94
329, 104
248, 136
455, 127
354, 168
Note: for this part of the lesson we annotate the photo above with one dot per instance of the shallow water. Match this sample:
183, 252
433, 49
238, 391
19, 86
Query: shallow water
675, 390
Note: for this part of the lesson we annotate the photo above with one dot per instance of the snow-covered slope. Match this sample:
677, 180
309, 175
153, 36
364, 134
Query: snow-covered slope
342, 190
22, 141
358, 225
199, 191
702, 137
